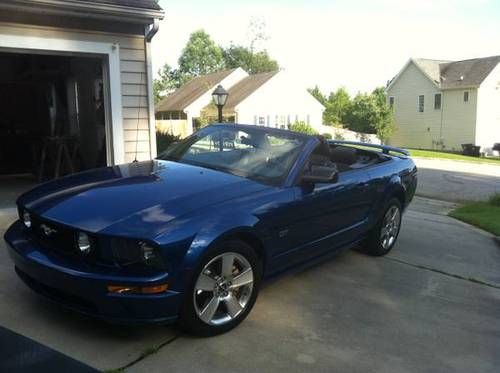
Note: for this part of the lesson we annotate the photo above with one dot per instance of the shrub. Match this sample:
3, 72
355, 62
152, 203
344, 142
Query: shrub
495, 199
164, 140
303, 127
339, 136
327, 136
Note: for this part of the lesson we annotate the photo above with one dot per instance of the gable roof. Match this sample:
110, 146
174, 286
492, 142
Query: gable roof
191, 91
467, 73
430, 68
245, 87
453, 74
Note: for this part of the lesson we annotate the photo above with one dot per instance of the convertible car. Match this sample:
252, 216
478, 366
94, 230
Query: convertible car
191, 235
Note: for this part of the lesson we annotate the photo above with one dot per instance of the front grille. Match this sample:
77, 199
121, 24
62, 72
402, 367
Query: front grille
53, 236
57, 295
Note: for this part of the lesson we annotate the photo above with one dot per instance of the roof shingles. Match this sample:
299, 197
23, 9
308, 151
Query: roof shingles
457, 74
192, 90
245, 88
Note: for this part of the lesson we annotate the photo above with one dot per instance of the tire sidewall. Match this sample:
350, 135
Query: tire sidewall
373, 245
188, 318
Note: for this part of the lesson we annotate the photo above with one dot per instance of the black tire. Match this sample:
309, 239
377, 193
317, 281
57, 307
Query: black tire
374, 244
189, 320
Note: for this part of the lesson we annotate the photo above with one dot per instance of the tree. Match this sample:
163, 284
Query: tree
337, 106
318, 95
252, 62
384, 125
168, 80
251, 58
370, 113
301, 126
200, 56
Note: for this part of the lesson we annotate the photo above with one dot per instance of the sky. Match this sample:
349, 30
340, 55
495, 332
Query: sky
358, 44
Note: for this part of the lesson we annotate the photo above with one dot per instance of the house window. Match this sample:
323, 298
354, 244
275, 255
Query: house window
391, 102
421, 103
466, 96
262, 121
437, 101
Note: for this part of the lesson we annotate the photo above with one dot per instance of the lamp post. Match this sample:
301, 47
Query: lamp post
220, 97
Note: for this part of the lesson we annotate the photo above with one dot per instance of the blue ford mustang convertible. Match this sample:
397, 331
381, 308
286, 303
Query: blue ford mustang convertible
192, 235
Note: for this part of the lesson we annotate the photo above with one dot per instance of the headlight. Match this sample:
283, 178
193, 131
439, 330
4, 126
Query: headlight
150, 255
83, 243
27, 219
129, 252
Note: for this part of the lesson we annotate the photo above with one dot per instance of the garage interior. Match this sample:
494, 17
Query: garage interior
52, 120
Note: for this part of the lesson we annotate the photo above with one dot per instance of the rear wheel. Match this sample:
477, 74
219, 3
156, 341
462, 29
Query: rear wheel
223, 290
383, 236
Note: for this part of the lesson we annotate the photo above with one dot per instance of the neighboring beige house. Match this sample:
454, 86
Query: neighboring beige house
268, 99
76, 73
444, 104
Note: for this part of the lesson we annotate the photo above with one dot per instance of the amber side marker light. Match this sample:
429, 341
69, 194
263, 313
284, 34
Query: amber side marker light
137, 289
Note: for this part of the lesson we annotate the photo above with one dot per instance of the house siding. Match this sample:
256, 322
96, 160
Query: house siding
454, 124
279, 100
134, 78
488, 111
459, 118
414, 129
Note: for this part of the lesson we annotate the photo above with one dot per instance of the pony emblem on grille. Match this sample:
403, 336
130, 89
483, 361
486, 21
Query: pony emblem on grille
47, 231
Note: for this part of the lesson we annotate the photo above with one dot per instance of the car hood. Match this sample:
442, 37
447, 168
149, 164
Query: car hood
136, 199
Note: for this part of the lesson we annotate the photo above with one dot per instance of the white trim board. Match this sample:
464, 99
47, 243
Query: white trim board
19, 43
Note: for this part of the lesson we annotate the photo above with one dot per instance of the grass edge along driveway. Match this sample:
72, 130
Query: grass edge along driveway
485, 215
431, 154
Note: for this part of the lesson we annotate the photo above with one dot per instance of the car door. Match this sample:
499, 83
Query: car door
328, 216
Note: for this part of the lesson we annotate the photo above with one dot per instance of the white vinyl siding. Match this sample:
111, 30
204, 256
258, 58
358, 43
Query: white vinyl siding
454, 124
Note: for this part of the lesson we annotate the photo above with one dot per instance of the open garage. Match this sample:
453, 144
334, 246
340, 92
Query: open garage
53, 115
75, 88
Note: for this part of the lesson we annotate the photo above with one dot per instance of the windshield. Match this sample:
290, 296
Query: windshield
266, 156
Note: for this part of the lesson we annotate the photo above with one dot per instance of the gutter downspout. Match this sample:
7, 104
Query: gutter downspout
152, 31
149, 33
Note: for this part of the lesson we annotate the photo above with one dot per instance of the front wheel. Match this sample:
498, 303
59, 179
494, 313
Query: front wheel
383, 236
223, 291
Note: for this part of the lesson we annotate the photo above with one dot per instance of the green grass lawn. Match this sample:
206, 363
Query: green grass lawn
452, 156
481, 214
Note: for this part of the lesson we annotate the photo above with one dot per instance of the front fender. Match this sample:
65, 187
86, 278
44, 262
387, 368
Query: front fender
186, 241
222, 226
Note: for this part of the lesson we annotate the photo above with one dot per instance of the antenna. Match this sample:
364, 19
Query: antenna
138, 120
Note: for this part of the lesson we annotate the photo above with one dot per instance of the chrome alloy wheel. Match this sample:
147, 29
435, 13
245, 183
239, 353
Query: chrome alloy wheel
223, 288
390, 227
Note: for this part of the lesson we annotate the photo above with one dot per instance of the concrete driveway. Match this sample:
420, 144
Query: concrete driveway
457, 181
431, 305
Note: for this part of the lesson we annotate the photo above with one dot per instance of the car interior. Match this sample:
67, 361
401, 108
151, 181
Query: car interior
344, 158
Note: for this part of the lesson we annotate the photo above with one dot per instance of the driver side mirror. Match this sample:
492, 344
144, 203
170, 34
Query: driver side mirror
320, 174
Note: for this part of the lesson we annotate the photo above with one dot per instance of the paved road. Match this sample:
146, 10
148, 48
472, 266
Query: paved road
457, 181
432, 305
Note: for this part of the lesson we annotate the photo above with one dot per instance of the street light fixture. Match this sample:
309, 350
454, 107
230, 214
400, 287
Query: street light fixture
220, 97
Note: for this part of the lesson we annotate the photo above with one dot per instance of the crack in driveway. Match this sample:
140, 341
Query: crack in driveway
148, 352
435, 270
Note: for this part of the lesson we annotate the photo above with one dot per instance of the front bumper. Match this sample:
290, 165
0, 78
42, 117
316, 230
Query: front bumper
84, 289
